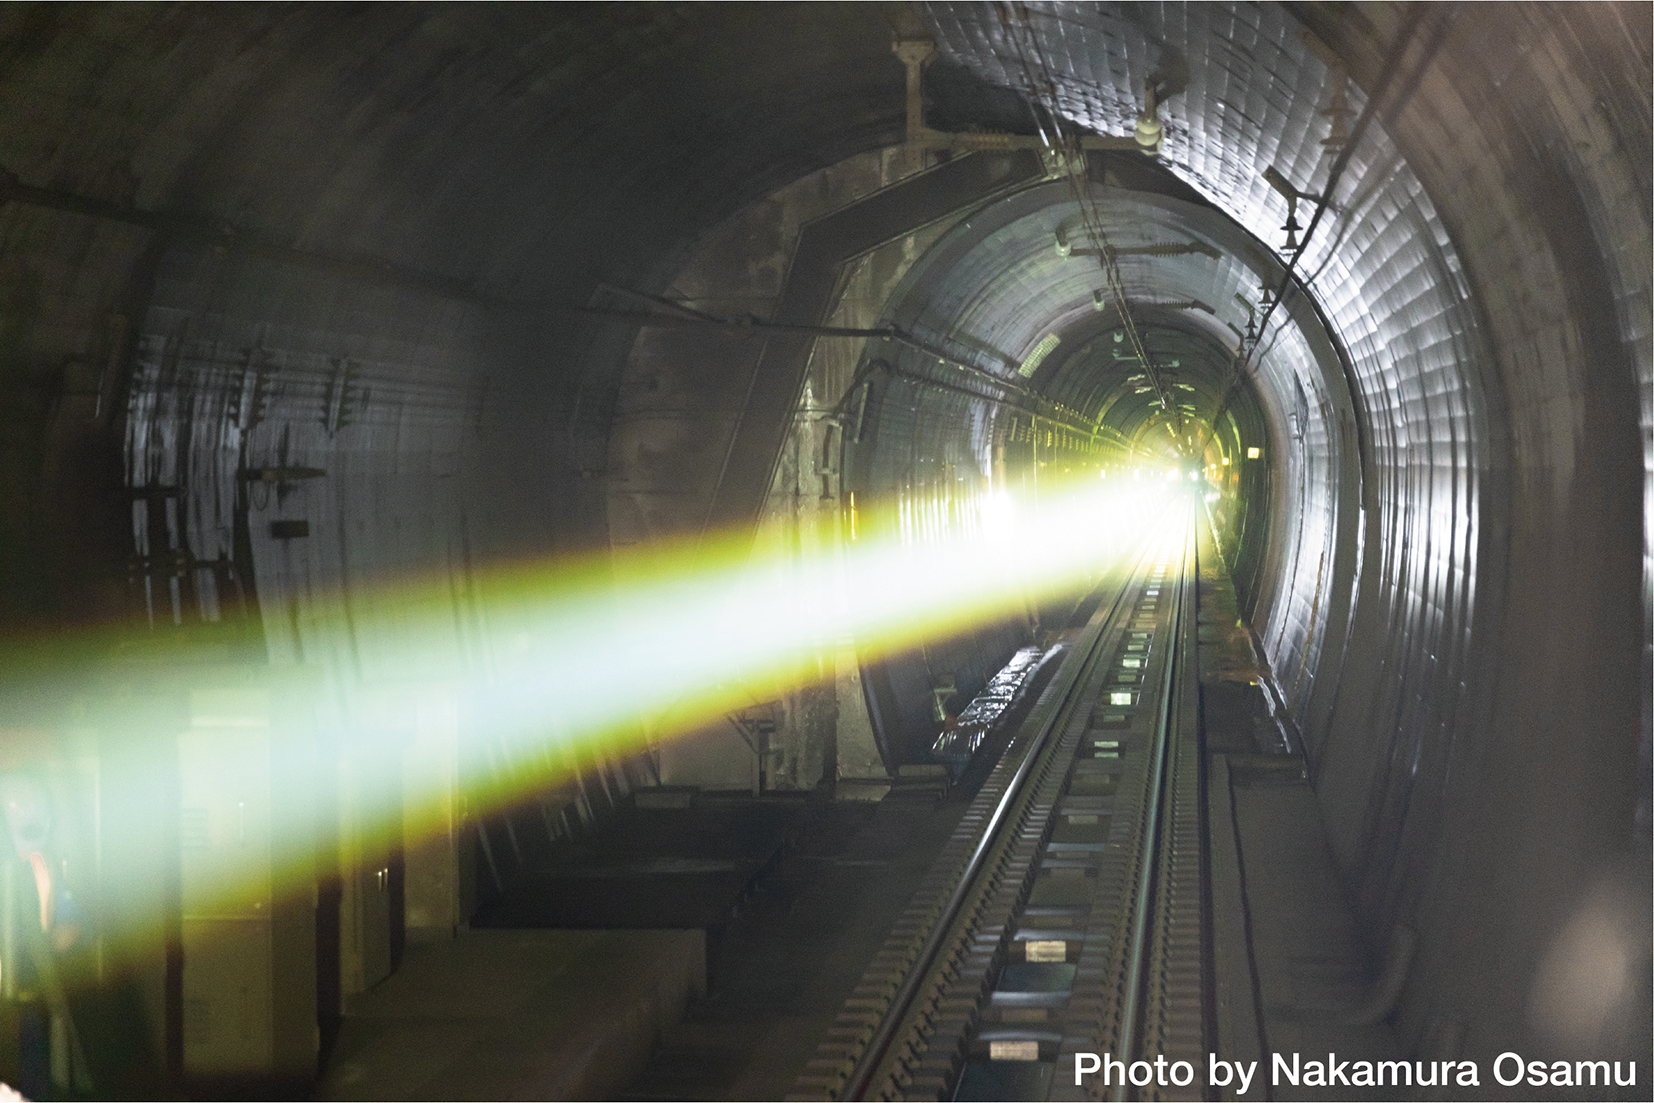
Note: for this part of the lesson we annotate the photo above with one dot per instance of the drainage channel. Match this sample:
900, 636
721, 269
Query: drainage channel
1065, 916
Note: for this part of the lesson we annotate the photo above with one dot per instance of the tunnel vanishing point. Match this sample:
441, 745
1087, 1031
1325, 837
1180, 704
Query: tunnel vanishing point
435, 439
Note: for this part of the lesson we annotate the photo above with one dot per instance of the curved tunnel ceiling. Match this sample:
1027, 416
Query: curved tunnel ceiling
997, 286
413, 205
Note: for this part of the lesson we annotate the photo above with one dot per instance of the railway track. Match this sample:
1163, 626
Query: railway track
1065, 916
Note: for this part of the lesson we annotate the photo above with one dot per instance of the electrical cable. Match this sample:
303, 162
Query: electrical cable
1078, 180
1247, 363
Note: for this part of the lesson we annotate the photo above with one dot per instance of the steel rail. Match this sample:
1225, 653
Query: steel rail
1137, 946
878, 1047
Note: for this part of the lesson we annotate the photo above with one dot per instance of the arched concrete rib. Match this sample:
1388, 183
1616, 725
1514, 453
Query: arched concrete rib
823, 247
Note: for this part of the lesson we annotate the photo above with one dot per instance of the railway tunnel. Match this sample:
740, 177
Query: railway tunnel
563, 551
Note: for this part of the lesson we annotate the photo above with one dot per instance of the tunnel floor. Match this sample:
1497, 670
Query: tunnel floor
796, 894
796, 949
804, 890
1279, 909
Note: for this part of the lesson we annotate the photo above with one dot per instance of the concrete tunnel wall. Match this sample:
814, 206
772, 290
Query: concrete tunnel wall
993, 287
405, 200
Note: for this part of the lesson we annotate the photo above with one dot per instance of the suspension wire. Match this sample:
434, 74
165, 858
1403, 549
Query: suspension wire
1246, 361
1044, 91
1092, 220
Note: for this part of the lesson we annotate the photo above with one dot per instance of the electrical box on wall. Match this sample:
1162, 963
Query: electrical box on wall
247, 883
370, 862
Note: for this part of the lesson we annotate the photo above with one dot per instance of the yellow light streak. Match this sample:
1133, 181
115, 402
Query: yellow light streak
605, 652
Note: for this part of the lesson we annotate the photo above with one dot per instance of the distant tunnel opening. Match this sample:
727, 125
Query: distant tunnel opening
1014, 371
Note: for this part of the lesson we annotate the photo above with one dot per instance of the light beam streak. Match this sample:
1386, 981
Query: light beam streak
691, 633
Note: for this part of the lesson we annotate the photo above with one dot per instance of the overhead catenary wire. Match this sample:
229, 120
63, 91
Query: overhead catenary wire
670, 313
1044, 89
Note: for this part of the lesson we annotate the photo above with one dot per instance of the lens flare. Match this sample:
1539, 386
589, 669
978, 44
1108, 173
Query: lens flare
601, 657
